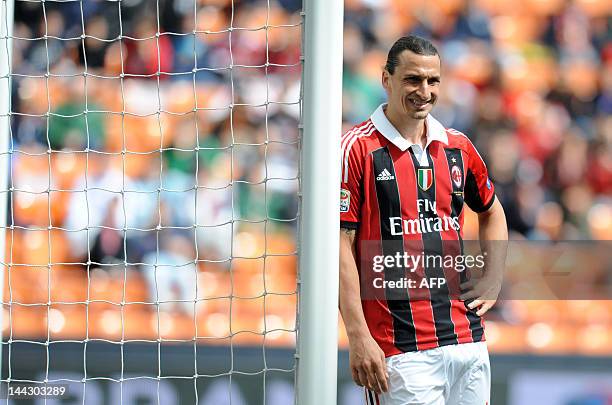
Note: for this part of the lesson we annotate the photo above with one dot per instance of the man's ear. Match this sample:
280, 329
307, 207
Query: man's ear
385, 79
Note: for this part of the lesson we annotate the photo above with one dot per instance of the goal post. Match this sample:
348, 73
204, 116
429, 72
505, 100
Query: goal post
320, 217
6, 29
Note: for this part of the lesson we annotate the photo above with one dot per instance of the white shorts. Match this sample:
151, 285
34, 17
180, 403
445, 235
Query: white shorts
448, 375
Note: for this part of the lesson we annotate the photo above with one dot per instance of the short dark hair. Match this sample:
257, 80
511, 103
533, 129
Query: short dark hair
412, 43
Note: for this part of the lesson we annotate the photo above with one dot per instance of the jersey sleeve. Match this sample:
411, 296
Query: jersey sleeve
351, 183
479, 192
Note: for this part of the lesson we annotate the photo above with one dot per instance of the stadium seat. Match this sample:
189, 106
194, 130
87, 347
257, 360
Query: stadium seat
27, 322
505, 338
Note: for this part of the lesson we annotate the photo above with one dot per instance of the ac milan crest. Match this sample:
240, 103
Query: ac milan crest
456, 176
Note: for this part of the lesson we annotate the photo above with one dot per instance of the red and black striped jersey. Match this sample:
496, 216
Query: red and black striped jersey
397, 195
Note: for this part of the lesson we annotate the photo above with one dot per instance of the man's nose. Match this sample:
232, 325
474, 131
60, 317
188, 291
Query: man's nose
423, 90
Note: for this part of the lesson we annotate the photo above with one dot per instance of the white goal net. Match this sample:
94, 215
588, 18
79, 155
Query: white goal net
152, 196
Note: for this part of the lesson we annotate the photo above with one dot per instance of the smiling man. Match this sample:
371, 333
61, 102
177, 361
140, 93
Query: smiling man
405, 179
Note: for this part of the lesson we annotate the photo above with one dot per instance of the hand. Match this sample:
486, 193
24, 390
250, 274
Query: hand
367, 362
483, 291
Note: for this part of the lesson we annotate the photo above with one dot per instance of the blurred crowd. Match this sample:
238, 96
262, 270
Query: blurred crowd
178, 121
157, 161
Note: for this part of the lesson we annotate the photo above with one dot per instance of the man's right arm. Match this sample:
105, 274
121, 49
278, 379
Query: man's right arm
367, 360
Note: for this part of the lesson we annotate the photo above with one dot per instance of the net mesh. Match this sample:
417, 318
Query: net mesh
153, 196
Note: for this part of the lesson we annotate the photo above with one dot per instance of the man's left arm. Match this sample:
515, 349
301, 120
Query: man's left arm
493, 235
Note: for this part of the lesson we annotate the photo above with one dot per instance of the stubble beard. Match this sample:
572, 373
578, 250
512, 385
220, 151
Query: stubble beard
419, 115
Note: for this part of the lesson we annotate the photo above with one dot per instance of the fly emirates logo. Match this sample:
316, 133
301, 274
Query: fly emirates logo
423, 224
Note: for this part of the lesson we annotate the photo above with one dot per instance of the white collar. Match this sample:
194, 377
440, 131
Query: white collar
435, 130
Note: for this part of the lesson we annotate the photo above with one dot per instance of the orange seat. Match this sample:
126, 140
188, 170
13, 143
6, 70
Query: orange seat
26, 322
246, 315
104, 321
103, 286
504, 338
136, 287
28, 284
533, 311
139, 322
214, 284
67, 322
548, 339
595, 340
68, 283
34, 247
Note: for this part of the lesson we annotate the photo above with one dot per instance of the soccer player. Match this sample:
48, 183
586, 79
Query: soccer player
405, 180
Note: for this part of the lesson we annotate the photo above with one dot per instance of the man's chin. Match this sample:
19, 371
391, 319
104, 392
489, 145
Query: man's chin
419, 115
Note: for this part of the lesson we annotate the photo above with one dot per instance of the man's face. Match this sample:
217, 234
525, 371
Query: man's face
413, 87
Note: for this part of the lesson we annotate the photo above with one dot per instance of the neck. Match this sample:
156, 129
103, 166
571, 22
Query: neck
411, 129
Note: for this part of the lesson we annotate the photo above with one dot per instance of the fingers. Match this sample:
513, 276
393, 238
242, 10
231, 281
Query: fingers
384, 373
372, 375
362, 377
373, 383
355, 374
382, 378
482, 292
378, 375
368, 366
359, 376
475, 304
485, 307
482, 305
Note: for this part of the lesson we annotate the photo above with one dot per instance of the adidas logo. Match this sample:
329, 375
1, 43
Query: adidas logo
385, 175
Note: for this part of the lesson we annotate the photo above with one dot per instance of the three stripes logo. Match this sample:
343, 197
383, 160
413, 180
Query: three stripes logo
425, 178
385, 175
